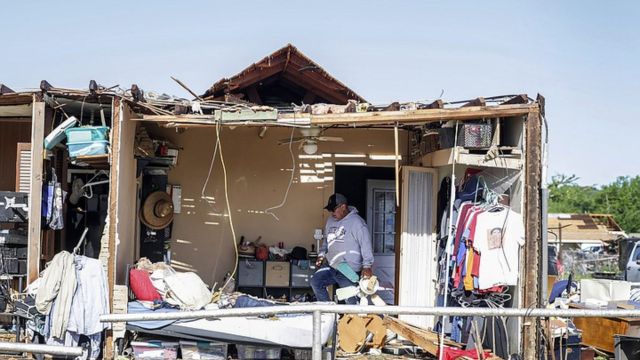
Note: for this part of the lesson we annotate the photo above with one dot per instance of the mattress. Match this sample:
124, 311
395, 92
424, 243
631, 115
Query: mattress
294, 331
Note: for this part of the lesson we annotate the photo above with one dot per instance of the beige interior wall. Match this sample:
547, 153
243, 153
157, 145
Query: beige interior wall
126, 211
258, 174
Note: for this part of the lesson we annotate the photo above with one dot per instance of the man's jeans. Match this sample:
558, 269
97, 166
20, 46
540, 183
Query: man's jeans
326, 276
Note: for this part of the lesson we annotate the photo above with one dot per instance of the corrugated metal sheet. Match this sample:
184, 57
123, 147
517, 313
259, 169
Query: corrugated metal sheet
416, 264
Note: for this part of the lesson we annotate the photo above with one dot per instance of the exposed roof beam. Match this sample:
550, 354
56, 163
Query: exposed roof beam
519, 99
420, 116
475, 102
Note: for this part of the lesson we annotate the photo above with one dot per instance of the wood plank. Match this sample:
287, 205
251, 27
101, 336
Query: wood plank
475, 102
373, 118
519, 99
532, 219
438, 104
445, 157
35, 198
416, 116
427, 340
113, 196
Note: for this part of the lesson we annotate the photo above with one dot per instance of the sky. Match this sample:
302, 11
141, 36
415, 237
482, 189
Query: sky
583, 56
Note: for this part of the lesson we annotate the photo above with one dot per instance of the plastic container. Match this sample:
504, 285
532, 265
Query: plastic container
202, 350
99, 147
58, 134
155, 350
86, 134
247, 352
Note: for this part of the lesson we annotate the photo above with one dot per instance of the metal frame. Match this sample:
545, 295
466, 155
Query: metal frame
317, 309
74, 351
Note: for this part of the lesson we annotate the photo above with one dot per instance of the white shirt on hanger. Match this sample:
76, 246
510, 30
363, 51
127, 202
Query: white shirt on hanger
499, 233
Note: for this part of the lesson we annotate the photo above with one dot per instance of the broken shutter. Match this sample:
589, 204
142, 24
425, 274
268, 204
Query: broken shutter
23, 167
416, 250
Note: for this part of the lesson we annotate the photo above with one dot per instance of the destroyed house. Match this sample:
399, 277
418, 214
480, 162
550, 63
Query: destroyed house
254, 159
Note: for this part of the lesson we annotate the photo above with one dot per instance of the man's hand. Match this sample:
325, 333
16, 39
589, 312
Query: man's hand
366, 272
319, 261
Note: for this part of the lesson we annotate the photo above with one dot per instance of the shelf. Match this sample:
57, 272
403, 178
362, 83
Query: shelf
93, 161
445, 157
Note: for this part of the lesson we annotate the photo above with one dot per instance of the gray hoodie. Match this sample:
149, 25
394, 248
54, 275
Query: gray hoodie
347, 240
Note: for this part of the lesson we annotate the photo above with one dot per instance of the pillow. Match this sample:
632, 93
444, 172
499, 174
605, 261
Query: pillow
142, 287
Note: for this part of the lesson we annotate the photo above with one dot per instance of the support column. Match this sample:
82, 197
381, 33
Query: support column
35, 186
533, 223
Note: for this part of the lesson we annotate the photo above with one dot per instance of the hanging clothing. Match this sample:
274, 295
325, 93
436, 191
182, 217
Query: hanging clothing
91, 297
499, 233
58, 284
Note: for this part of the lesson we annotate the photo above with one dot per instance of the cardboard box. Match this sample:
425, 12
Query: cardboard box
277, 274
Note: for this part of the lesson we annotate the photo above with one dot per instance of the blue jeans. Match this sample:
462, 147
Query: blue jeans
326, 276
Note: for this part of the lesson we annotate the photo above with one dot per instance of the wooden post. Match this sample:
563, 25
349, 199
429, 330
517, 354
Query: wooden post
113, 196
533, 223
35, 196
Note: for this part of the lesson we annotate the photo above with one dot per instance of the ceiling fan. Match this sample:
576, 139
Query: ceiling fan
309, 139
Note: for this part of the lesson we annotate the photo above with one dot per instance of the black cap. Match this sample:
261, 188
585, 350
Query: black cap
335, 200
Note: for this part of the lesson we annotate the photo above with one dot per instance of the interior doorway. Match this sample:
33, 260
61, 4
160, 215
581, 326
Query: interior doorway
371, 190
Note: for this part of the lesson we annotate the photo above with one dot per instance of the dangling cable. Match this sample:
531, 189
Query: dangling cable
226, 196
293, 172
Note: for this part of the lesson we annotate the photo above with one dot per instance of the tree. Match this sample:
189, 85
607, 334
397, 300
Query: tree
566, 196
622, 199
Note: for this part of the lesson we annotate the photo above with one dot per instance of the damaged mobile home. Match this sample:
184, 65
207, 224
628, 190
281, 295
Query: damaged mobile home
195, 187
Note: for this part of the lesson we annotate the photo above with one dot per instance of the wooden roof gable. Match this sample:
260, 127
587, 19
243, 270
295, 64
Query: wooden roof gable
284, 77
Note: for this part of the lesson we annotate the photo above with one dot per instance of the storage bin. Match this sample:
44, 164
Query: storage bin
98, 147
301, 278
192, 350
277, 274
86, 134
250, 273
250, 352
155, 350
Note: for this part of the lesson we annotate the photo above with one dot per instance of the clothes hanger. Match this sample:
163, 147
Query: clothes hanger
89, 185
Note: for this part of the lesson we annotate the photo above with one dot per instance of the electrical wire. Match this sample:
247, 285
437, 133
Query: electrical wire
218, 149
293, 172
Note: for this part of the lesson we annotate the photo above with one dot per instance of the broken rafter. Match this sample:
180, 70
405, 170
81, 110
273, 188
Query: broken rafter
476, 102
5, 89
519, 99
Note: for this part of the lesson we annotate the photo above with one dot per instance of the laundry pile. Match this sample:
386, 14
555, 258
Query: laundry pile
71, 294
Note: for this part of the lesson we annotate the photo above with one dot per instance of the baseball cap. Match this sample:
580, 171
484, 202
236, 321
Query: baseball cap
335, 200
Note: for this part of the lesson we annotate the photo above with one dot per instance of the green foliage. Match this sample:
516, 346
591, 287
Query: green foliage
566, 196
620, 198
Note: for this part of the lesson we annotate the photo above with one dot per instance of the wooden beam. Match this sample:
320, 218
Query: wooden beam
331, 95
519, 99
254, 97
416, 116
438, 104
35, 197
113, 204
532, 222
427, 340
5, 89
475, 102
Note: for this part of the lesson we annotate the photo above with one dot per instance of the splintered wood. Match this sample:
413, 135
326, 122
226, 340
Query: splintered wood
427, 340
